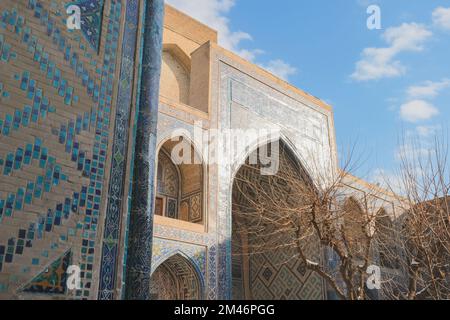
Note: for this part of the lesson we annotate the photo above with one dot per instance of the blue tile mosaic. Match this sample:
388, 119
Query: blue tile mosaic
2, 207
91, 164
53, 279
39, 55
94, 171
91, 20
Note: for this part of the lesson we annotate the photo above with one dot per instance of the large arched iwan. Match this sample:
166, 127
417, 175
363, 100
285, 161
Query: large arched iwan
263, 268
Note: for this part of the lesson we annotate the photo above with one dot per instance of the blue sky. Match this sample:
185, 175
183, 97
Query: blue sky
383, 84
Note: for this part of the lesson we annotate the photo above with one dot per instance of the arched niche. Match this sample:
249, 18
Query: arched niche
176, 279
175, 74
355, 225
180, 182
385, 236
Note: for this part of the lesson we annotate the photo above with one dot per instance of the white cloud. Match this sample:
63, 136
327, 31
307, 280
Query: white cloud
427, 131
412, 151
428, 89
280, 68
407, 37
250, 55
417, 110
214, 14
378, 63
441, 18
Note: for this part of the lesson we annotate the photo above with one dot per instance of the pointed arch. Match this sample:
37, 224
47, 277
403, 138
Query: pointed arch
177, 278
180, 55
356, 226
189, 203
383, 221
386, 240
351, 204
175, 74
286, 144
260, 256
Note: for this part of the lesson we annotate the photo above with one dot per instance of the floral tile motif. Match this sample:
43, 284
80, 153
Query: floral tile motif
91, 20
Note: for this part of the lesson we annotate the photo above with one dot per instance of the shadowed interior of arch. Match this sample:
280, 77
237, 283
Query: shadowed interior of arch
176, 279
179, 193
263, 267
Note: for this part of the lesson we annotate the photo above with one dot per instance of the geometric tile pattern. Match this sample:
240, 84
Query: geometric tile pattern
164, 249
59, 89
164, 284
275, 271
112, 246
168, 185
55, 89
176, 279
313, 289
91, 20
206, 241
273, 275
53, 280
172, 206
195, 214
140, 226
170, 177
64, 83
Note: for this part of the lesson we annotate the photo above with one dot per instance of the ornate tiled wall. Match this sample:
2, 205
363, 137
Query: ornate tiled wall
240, 101
64, 131
164, 249
183, 123
274, 276
200, 248
246, 100
67, 124
186, 261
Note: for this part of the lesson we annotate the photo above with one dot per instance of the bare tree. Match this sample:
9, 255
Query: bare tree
288, 210
424, 228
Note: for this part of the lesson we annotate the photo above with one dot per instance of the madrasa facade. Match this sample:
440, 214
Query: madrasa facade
69, 122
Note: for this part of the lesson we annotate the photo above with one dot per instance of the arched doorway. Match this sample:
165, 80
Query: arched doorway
176, 279
265, 263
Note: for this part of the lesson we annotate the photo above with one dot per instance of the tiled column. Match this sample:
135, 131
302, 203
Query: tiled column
141, 219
